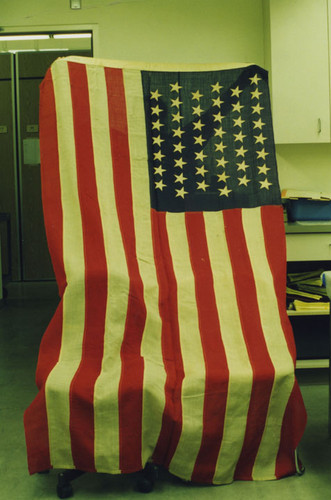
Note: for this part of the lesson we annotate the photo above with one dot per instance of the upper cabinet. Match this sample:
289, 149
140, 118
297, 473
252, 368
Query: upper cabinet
300, 83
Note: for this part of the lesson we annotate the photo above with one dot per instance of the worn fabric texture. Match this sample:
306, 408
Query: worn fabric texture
171, 342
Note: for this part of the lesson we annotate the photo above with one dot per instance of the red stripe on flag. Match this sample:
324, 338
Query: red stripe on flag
131, 381
274, 236
82, 386
35, 417
171, 350
217, 373
293, 426
294, 420
51, 193
36, 434
262, 367
50, 179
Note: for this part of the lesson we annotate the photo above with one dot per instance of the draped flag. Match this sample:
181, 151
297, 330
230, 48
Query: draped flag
171, 342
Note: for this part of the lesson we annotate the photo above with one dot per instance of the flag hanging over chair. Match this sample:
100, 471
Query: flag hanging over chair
171, 342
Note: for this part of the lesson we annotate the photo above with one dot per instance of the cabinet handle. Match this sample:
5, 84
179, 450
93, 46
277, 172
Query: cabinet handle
319, 125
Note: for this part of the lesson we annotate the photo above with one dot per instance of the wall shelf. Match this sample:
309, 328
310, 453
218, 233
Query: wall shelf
308, 227
312, 363
307, 313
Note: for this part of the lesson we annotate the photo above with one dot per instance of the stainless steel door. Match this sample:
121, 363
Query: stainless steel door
20, 186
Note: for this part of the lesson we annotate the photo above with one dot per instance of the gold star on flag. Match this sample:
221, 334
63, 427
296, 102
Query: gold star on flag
198, 125
178, 132
196, 110
181, 192
257, 109
225, 191
155, 94
237, 122
178, 147
176, 117
217, 102
256, 94
262, 154
243, 180
199, 140
216, 88
200, 155
239, 137
157, 140
255, 79
236, 92
221, 162
237, 107
219, 132
222, 177
159, 170
158, 155
157, 125
220, 147
258, 123
180, 178
176, 102
260, 138
265, 184
156, 110
201, 170
180, 163
218, 117
174, 87
242, 166
263, 169
241, 151
202, 185
196, 95
160, 185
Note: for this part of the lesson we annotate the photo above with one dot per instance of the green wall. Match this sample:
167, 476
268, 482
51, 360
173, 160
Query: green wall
178, 31
155, 30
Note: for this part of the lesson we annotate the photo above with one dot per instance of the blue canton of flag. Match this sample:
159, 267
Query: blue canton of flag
210, 140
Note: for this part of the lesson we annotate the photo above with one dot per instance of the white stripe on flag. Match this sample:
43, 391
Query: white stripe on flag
151, 349
240, 371
106, 418
194, 365
59, 380
276, 344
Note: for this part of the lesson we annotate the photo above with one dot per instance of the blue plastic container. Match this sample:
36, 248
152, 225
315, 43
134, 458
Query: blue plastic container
303, 209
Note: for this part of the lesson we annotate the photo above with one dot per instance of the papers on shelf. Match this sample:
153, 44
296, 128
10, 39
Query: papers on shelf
295, 194
300, 305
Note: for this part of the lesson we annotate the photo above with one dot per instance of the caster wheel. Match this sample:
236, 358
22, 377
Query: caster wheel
64, 491
145, 485
145, 482
301, 471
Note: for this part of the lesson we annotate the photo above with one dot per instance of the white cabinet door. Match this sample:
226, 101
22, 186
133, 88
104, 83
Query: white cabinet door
300, 71
315, 246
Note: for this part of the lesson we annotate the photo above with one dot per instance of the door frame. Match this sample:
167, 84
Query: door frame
72, 28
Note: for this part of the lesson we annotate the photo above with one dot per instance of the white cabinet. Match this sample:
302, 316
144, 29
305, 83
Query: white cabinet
311, 247
299, 49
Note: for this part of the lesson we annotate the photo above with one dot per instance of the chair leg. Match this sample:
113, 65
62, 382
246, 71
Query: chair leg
64, 488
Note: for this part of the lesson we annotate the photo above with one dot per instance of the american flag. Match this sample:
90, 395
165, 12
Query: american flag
171, 342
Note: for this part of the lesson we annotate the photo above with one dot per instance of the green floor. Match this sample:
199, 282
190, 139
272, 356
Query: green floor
22, 323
